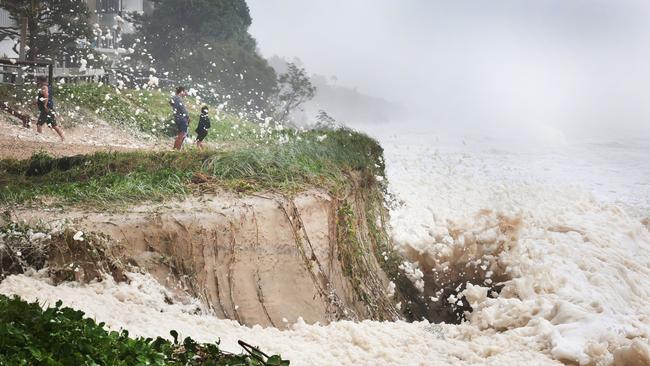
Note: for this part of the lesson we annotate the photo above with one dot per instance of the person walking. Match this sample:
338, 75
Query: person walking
181, 117
204, 126
45, 103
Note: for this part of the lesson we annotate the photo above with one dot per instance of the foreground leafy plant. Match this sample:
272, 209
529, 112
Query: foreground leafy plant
61, 336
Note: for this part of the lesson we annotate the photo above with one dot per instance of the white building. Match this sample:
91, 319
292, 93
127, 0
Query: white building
5, 21
105, 13
107, 20
7, 44
109, 15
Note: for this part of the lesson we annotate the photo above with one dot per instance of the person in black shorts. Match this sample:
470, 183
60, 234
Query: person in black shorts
45, 104
204, 126
181, 117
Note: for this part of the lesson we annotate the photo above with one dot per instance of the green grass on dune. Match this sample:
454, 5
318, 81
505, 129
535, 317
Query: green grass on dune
146, 111
250, 156
303, 160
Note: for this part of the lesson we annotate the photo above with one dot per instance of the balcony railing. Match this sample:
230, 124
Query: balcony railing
20, 72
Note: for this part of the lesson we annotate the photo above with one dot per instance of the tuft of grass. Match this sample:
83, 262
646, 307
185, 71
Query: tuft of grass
105, 178
62, 336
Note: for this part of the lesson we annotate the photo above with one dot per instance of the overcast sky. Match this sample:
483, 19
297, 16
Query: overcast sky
568, 64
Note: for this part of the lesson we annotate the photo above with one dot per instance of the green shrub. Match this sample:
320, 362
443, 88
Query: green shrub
61, 336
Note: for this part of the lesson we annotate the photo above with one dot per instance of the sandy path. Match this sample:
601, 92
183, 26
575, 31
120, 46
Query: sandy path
18, 142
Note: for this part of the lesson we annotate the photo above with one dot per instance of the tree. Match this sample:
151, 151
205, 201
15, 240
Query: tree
295, 88
53, 26
324, 120
208, 40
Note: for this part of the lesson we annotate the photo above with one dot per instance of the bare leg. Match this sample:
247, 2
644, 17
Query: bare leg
199, 144
39, 128
178, 143
59, 132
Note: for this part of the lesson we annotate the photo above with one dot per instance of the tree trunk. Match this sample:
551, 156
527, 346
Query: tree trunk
32, 26
32, 40
23, 38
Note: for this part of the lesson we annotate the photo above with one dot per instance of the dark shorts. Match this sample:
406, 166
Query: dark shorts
201, 134
181, 126
46, 118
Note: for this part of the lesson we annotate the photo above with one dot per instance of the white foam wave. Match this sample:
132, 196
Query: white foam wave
579, 268
575, 271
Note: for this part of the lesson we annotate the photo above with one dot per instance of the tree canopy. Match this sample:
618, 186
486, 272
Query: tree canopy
209, 41
53, 26
295, 89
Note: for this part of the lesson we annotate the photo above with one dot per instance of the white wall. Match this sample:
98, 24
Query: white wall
5, 21
7, 44
132, 5
6, 48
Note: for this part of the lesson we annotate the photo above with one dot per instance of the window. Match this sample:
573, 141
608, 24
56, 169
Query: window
5, 20
108, 6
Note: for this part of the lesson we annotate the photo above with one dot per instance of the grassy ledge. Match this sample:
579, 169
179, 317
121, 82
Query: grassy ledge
250, 156
321, 158
61, 336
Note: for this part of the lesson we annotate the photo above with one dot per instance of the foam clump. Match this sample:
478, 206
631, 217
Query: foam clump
636, 354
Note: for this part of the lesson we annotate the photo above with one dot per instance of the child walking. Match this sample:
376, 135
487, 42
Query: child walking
204, 126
